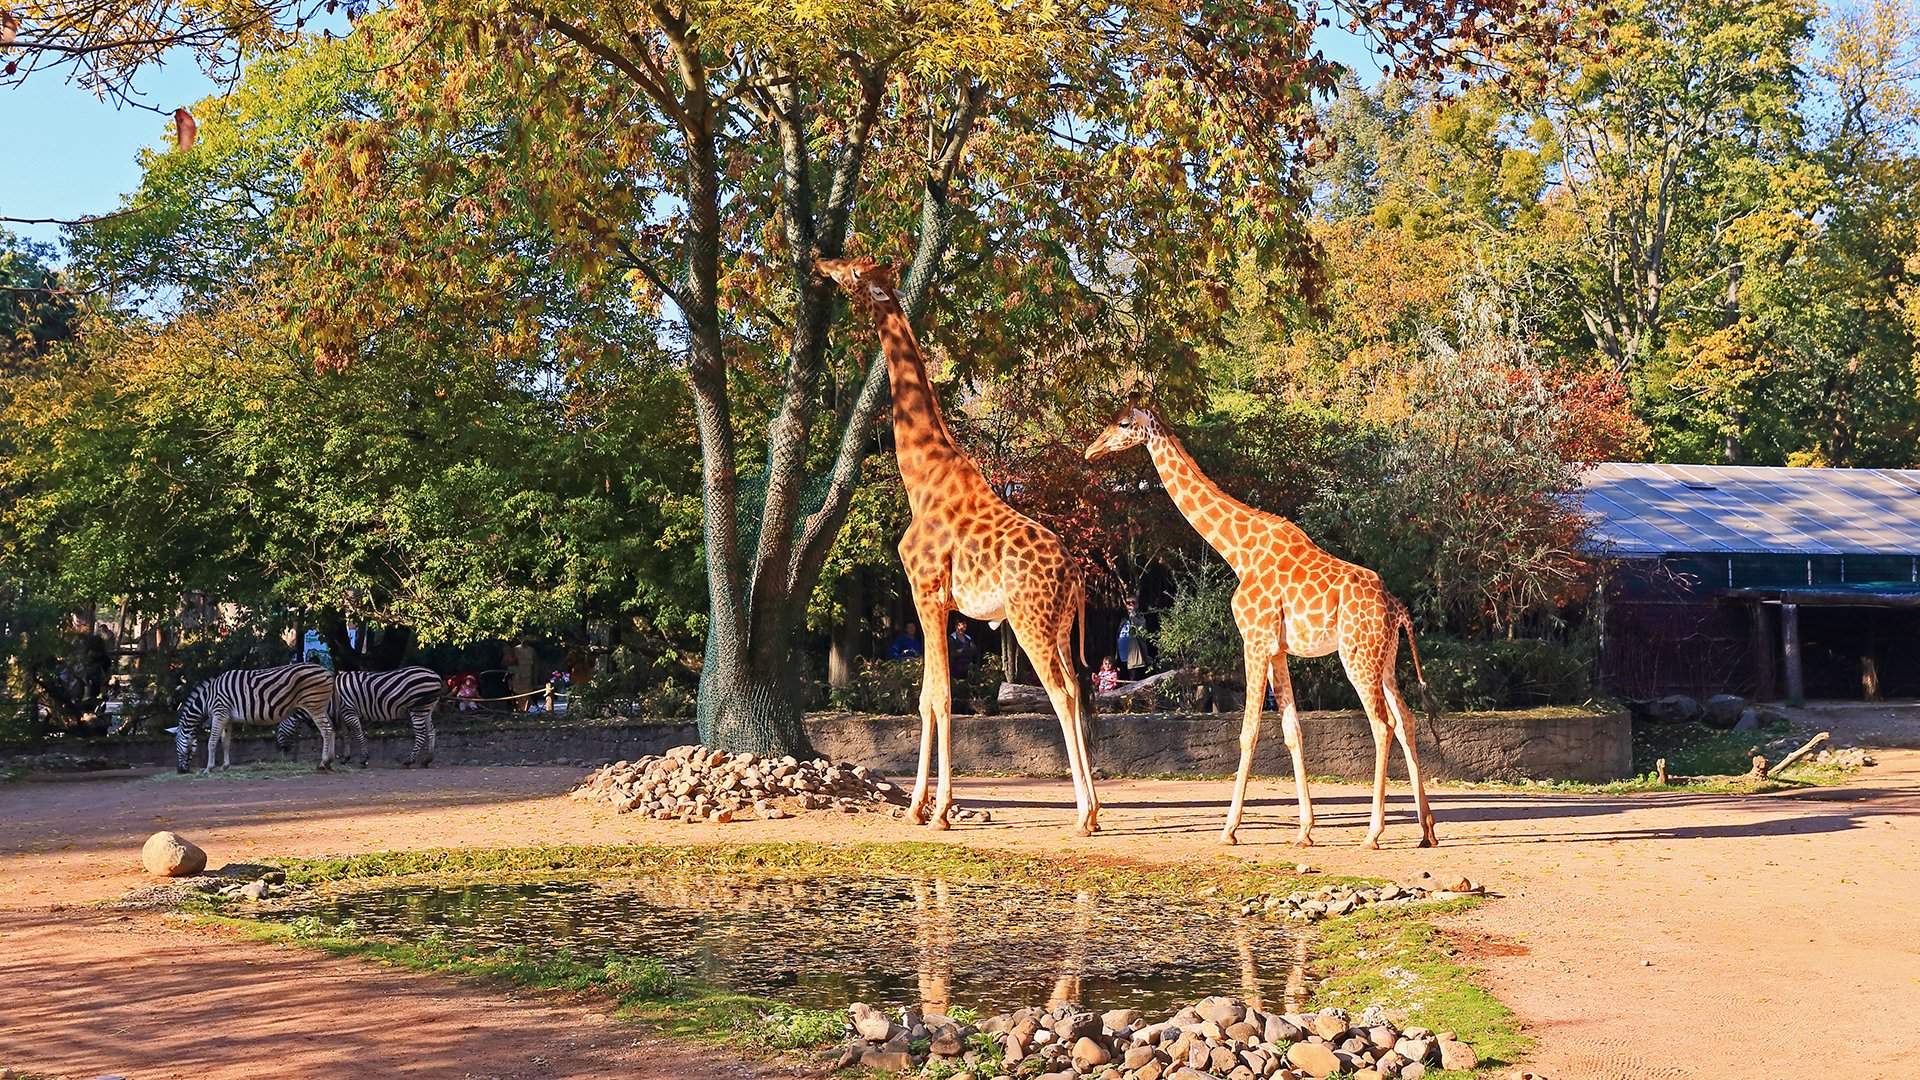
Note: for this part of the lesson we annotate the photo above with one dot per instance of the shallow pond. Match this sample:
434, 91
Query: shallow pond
826, 941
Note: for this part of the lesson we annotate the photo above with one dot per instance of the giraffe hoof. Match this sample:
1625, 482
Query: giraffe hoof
1370, 845
1228, 839
941, 824
1428, 841
1084, 831
917, 816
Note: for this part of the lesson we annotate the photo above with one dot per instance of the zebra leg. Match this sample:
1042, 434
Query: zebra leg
422, 738
352, 722
216, 727
285, 734
325, 724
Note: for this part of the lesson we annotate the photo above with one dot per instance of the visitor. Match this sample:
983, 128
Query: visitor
468, 691
518, 659
907, 645
1132, 653
1107, 679
961, 650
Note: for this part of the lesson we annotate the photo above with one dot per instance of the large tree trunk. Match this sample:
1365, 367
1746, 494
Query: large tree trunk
750, 701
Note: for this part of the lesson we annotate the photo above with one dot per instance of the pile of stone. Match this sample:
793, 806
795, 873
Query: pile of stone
1333, 901
696, 783
55, 761
268, 886
1220, 1038
1847, 757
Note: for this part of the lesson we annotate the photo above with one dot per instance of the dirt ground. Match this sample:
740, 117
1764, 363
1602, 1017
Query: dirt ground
1643, 936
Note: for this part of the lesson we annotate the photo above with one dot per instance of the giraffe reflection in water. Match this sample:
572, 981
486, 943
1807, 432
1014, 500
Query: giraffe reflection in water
824, 941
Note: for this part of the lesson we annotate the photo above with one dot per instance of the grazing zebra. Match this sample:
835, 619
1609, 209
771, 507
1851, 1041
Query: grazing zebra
411, 693
261, 696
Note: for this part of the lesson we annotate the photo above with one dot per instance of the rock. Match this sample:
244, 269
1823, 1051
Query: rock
1281, 1030
1723, 710
1313, 1059
1244, 1032
254, 890
946, 1041
1221, 1060
1672, 709
1415, 1071
1117, 1020
1076, 1026
1137, 1057
870, 1023
169, 854
1413, 1049
1749, 721
1222, 1011
1382, 1037
1088, 1054
886, 1060
1327, 1026
1457, 1055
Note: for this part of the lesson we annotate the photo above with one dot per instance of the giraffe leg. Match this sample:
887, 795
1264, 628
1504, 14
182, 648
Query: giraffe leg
1290, 731
1403, 729
1257, 657
1364, 673
1045, 648
936, 703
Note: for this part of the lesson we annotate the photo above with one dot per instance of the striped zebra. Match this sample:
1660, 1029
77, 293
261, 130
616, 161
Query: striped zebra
359, 697
260, 696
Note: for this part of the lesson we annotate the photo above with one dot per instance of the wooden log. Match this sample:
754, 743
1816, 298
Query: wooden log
1798, 754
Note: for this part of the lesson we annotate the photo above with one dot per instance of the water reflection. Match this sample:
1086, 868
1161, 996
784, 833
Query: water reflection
826, 941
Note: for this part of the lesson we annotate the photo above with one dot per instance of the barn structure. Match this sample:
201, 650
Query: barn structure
1774, 583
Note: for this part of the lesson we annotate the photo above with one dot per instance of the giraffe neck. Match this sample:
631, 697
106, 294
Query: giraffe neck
1220, 519
931, 463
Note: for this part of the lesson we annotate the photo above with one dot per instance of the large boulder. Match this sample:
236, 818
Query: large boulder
1672, 709
169, 854
1723, 710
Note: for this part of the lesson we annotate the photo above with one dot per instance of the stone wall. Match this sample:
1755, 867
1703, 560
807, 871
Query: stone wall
1476, 747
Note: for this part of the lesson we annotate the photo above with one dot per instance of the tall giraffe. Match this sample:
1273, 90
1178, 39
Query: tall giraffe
968, 551
1293, 599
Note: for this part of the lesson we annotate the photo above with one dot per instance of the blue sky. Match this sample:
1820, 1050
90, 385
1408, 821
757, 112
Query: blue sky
85, 152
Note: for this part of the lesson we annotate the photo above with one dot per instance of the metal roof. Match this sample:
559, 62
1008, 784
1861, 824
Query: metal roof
1670, 509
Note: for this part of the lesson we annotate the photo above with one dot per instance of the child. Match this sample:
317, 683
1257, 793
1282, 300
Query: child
1107, 679
468, 692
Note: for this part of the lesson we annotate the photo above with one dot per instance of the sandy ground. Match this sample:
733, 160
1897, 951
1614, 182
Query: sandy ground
1645, 936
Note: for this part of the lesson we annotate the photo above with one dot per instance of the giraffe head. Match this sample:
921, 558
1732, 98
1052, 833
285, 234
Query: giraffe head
870, 285
1128, 430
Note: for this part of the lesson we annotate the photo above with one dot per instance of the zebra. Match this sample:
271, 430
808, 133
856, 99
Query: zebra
362, 696
263, 695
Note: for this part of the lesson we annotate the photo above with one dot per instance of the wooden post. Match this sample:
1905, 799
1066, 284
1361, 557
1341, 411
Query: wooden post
1870, 660
1764, 678
1790, 646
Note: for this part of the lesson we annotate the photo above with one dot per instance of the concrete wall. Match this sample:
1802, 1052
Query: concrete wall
1580, 747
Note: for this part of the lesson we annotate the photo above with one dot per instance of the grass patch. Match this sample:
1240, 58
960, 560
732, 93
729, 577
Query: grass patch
916, 859
1364, 955
1713, 762
1397, 957
252, 770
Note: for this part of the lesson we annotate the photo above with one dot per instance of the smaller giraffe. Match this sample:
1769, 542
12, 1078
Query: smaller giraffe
1293, 599
970, 552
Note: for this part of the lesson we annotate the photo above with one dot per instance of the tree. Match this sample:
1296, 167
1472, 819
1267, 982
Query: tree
38, 308
1061, 171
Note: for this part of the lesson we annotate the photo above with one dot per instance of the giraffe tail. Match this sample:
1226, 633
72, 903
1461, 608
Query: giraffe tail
1080, 627
1427, 701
